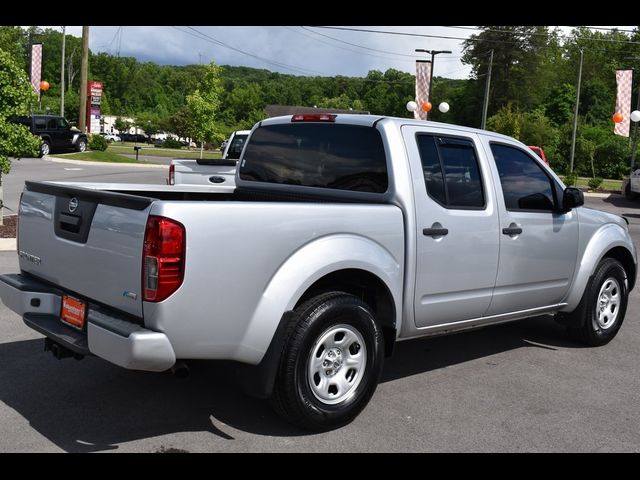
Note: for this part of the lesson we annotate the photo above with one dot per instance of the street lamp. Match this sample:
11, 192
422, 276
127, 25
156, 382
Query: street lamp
433, 56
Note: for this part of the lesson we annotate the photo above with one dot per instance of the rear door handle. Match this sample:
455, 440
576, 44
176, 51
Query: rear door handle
435, 232
512, 231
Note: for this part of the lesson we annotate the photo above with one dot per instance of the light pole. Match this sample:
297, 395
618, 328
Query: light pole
433, 56
64, 29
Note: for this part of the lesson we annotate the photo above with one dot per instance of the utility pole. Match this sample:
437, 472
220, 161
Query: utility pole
485, 106
84, 67
575, 116
62, 74
433, 56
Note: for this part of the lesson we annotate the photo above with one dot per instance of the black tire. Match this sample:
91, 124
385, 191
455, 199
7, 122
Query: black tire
592, 332
293, 396
629, 194
81, 146
45, 148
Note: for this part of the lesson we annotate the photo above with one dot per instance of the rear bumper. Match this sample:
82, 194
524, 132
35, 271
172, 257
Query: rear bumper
108, 335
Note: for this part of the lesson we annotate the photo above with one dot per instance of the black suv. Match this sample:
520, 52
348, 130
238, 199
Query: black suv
55, 131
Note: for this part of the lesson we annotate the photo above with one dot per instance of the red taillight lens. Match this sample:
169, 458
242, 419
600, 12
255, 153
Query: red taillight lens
314, 117
162, 258
172, 174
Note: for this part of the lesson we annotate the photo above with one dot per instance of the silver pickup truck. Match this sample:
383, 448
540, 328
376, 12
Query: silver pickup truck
343, 235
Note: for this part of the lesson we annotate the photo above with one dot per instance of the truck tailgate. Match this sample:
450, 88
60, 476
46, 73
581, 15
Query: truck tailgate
86, 241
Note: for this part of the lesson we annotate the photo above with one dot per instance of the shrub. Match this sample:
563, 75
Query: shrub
570, 180
98, 142
595, 182
171, 143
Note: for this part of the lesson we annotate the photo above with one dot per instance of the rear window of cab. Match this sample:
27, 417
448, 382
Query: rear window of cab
322, 155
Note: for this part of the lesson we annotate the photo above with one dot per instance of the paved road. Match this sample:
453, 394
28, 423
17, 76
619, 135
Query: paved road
516, 387
38, 169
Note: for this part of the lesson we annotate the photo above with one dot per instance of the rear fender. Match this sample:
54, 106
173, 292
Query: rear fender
303, 268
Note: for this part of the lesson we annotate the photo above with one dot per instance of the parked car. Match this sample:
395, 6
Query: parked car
343, 235
111, 137
55, 132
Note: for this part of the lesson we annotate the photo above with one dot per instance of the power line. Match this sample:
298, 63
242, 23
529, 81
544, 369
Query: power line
341, 47
267, 60
359, 46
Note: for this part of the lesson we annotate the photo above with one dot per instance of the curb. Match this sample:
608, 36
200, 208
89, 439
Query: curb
113, 164
7, 244
599, 195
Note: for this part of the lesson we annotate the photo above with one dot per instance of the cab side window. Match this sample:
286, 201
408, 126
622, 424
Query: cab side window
525, 185
451, 171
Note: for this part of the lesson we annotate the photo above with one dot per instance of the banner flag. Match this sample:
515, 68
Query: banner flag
423, 75
36, 67
624, 80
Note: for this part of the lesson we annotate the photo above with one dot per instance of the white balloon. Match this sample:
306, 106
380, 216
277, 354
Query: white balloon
443, 107
635, 116
412, 106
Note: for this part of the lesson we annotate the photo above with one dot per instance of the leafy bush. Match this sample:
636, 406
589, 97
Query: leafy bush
98, 142
594, 183
171, 143
571, 179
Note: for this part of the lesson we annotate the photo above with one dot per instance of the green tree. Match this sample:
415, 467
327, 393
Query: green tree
507, 121
204, 104
122, 125
16, 95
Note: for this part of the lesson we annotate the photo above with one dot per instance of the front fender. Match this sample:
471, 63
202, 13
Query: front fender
607, 237
307, 265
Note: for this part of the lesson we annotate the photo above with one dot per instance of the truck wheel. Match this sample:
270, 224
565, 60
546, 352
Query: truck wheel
45, 148
81, 146
605, 304
330, 364
629, 194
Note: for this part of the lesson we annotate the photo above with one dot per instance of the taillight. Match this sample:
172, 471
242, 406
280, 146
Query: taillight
162, 258
314, 117
172, 174
18, 224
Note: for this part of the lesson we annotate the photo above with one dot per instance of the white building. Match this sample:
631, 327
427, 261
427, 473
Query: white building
108, 125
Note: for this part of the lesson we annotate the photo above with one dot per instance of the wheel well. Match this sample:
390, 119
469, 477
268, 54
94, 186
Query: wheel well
624, 257
367, 287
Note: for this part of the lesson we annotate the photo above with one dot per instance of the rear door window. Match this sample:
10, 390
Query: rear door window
40, 123
451, 171
52, 124
330, 156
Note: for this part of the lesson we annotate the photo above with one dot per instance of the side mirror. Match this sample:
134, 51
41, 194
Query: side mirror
572, 198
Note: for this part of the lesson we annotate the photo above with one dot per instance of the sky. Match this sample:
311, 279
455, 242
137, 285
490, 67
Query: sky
293, 49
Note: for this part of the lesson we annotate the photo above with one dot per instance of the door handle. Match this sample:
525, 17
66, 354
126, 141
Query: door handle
435, 232
512, 230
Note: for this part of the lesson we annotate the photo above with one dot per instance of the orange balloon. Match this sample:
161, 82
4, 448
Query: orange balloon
426, 107
617, 117
44, 85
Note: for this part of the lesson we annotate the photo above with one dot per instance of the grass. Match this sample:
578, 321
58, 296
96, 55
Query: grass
161, 152
583, 182
97, 156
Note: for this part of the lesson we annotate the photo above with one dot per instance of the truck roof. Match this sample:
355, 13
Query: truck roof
370, 120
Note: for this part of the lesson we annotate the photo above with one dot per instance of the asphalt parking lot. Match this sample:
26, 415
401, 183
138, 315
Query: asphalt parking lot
518, 387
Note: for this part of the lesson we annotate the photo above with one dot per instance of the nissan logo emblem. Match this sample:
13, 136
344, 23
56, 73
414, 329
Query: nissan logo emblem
73, 204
